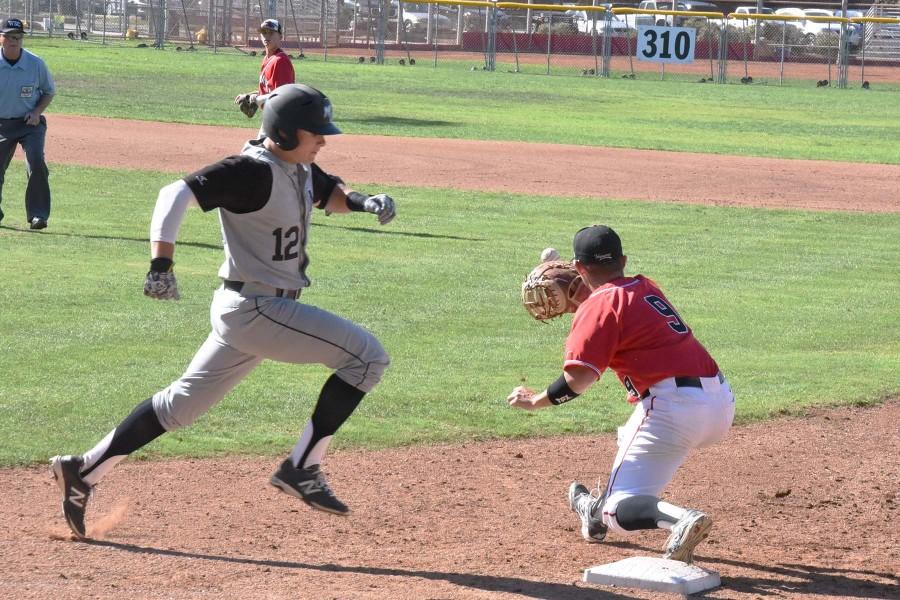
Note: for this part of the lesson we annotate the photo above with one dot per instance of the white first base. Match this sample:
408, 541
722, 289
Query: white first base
656, 574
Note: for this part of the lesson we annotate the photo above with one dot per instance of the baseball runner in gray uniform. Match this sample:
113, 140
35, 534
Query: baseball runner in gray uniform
265, 196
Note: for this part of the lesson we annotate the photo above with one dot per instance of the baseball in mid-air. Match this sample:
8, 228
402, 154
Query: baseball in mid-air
549, 254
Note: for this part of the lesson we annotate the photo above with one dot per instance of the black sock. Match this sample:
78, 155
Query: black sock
640, 512
336, 403
137, 430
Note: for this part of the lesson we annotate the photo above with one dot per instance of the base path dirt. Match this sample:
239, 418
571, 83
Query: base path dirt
804, 507
552, 169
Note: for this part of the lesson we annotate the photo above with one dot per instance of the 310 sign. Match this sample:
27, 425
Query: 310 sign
666, 44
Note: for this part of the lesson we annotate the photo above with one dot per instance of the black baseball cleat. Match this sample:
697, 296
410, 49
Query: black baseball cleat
589, 510
309, 485
75, 492
38, 223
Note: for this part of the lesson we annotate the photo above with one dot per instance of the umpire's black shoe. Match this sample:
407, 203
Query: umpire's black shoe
309, 485
589, 510
75, 492
38, 223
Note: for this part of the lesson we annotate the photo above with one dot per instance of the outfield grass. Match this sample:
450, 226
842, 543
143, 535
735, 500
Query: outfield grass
452, 101
798, 308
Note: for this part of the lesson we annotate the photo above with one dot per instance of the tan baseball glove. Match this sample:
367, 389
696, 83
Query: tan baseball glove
247, 104
553, 288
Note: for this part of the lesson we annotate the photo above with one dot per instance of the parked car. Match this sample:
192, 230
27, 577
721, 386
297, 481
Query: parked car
809, 29
664, 20
851, 14
814, 28
817, 27
855, 29
371, 7
587, 22
474, 19
748, 10
792, 12
415, 18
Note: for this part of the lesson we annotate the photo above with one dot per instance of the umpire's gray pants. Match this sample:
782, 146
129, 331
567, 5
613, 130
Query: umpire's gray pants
31, 137
246, 330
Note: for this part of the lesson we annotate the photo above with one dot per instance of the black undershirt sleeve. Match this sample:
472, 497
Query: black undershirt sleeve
239, 184
323, 185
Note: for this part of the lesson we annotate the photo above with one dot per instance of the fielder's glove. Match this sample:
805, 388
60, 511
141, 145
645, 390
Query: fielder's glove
553, 288
160, 281
247, 104
381, 205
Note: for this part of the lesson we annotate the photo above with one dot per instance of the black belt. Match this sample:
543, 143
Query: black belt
693, 382
237, 286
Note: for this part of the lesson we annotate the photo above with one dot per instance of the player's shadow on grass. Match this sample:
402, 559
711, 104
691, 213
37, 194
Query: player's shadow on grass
219, 246
400, 233
489, 583
109, 237
386, 120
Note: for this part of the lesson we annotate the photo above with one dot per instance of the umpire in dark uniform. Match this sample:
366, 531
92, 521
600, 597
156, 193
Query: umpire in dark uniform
26, 90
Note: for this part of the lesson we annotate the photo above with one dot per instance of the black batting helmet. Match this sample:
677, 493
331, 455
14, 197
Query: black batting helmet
292, 107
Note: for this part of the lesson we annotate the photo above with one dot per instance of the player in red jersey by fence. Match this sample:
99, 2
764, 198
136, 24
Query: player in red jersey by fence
275, 71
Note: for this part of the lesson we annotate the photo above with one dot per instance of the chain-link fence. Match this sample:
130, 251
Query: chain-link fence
191, 23
654, 39
814, 46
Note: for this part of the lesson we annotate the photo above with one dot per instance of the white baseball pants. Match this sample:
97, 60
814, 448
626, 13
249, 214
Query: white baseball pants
661, 432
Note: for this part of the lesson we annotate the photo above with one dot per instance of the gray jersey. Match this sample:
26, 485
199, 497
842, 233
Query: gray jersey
265, 208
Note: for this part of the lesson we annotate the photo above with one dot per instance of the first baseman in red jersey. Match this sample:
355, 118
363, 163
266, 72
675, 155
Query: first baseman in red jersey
276, 69
681, 399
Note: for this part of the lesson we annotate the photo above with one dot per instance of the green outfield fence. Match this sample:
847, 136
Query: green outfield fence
780, 46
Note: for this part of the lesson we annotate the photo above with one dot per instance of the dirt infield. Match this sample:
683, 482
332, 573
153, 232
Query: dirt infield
471, 165
805, 507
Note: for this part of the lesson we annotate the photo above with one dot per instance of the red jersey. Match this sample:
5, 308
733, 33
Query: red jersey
629, 326
275, 71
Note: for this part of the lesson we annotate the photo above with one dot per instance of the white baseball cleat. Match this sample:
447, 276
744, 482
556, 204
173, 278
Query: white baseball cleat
689, 531
586, 507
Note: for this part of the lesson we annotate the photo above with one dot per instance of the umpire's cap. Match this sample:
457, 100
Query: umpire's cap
292, 107
13, 26
597, 244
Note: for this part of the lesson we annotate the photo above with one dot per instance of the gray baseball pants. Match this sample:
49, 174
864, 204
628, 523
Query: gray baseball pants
248, 328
